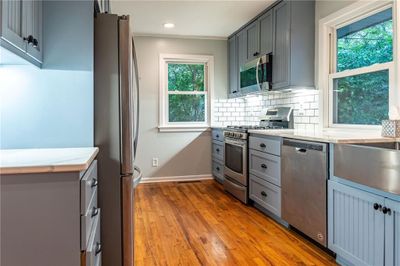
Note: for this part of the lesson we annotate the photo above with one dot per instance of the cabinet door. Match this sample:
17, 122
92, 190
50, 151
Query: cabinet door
233, 90
33, 24
253, 40
356, 229
392, 233
12, 23
281, 59
241, 46
266, 32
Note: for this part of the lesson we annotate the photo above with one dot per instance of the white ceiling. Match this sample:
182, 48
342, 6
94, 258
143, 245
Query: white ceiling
207, 18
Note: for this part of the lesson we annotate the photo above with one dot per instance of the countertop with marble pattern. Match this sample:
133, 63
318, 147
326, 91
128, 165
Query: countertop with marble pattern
27, 161
330, 136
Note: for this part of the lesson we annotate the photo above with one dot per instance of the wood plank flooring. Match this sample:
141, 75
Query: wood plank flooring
198, 224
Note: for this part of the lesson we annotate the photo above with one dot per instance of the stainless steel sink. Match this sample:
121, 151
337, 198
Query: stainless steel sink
376, 165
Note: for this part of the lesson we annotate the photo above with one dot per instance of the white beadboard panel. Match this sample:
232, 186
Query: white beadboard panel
356, 229
247, 110
392, 233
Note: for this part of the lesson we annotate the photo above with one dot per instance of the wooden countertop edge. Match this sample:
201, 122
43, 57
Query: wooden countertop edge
49, 168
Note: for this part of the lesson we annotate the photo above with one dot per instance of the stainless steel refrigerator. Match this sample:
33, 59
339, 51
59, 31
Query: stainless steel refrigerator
116, 120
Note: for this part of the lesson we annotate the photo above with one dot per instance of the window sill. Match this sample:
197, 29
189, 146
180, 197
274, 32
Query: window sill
183, 128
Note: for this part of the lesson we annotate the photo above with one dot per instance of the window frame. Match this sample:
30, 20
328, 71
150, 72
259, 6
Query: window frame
164, 60
327, 58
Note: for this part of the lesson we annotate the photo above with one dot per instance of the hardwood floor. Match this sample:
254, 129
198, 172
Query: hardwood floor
198, 224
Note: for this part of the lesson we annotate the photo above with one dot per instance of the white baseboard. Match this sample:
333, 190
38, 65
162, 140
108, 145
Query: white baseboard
159, 179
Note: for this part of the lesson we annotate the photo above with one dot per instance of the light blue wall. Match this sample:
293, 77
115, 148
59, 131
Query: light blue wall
52, 106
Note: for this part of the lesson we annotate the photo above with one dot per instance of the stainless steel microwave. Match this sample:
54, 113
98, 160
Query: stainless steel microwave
256, 75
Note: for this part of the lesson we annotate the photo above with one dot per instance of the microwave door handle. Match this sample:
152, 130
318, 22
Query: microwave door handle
257, 77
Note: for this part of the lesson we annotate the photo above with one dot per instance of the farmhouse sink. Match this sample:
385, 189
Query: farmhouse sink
376, 165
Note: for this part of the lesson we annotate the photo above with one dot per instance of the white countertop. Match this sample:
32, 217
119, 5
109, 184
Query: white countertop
331, 136
26, 161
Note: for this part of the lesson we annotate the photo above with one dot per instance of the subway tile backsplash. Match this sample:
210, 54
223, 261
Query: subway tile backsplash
245, 111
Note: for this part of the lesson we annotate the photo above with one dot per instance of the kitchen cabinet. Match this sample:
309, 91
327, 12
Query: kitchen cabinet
363, 226
265, 173
253, 40
21, 29
266, 33
217, 136
51, 213
233, 90
294, 41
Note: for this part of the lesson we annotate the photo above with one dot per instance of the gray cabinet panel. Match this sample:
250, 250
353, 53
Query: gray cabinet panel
34, 28
266, 32
218, 150
266, 144
265, 166
253, 40
88, 186
218, 170
217, 134
356, 229
241, 42
12, 25
87, 220
265, 194
281, 56
233, 90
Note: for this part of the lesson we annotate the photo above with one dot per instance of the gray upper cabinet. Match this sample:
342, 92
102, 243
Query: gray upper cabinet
293, 55
241, 42
253, 40
266, 32
21, 29
233, 90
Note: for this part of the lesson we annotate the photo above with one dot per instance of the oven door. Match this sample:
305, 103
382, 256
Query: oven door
235, 165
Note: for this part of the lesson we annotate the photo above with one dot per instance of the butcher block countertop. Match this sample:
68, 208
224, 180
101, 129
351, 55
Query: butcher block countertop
329, 136
27, 161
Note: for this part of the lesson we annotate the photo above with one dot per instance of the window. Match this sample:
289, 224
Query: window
185, 92
360, 70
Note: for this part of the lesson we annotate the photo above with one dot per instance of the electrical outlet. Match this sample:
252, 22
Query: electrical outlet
155, 162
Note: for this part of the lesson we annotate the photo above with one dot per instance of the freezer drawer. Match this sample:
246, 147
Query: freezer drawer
304, 186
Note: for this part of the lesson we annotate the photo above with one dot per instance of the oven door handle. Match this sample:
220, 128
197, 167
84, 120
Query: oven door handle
236, 143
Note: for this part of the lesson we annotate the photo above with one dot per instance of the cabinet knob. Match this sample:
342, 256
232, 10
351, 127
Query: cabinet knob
377, 206
262, 145
217, 136
35, 43
263, 194
28, 39
386, 210
217, 150
234, 91
264, 166
217, 168
256, 53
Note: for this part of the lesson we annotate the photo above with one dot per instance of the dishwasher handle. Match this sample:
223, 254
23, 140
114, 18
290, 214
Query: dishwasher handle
303, 146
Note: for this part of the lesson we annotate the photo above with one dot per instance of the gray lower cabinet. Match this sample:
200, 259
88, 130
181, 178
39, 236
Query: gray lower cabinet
363, 227
50, 219
265, 172
218, 154
21, 29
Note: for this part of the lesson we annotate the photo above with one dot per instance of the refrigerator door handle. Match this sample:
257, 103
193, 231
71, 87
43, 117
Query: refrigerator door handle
138, 178
136, 75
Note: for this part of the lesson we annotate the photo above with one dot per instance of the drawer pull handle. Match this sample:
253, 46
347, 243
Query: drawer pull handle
262, 145
263, 194
98, 249
95, 212
217, 136
264, 166
94, 183
217, 168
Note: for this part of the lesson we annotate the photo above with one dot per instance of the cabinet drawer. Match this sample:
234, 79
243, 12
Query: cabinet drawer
93, 251
269, 145
218, 171
88, 186
265, 194
218, 150
88, 219
217, 134
265, 166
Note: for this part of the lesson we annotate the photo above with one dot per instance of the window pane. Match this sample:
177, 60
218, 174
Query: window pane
365, 42
361, 99
186, 108
186, 77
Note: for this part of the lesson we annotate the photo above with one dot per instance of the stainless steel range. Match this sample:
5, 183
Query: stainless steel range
236, 149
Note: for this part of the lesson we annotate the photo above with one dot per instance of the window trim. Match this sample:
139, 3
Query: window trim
327, 61
164, 59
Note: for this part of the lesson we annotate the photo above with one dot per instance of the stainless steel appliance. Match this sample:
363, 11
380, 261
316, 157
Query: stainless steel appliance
116, 108
256, 75
236, 147
304, 185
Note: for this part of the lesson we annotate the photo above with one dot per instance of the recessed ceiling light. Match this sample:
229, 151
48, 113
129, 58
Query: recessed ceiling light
169, 25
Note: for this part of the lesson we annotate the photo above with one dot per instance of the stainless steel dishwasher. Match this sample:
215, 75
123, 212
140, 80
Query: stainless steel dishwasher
304, 186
